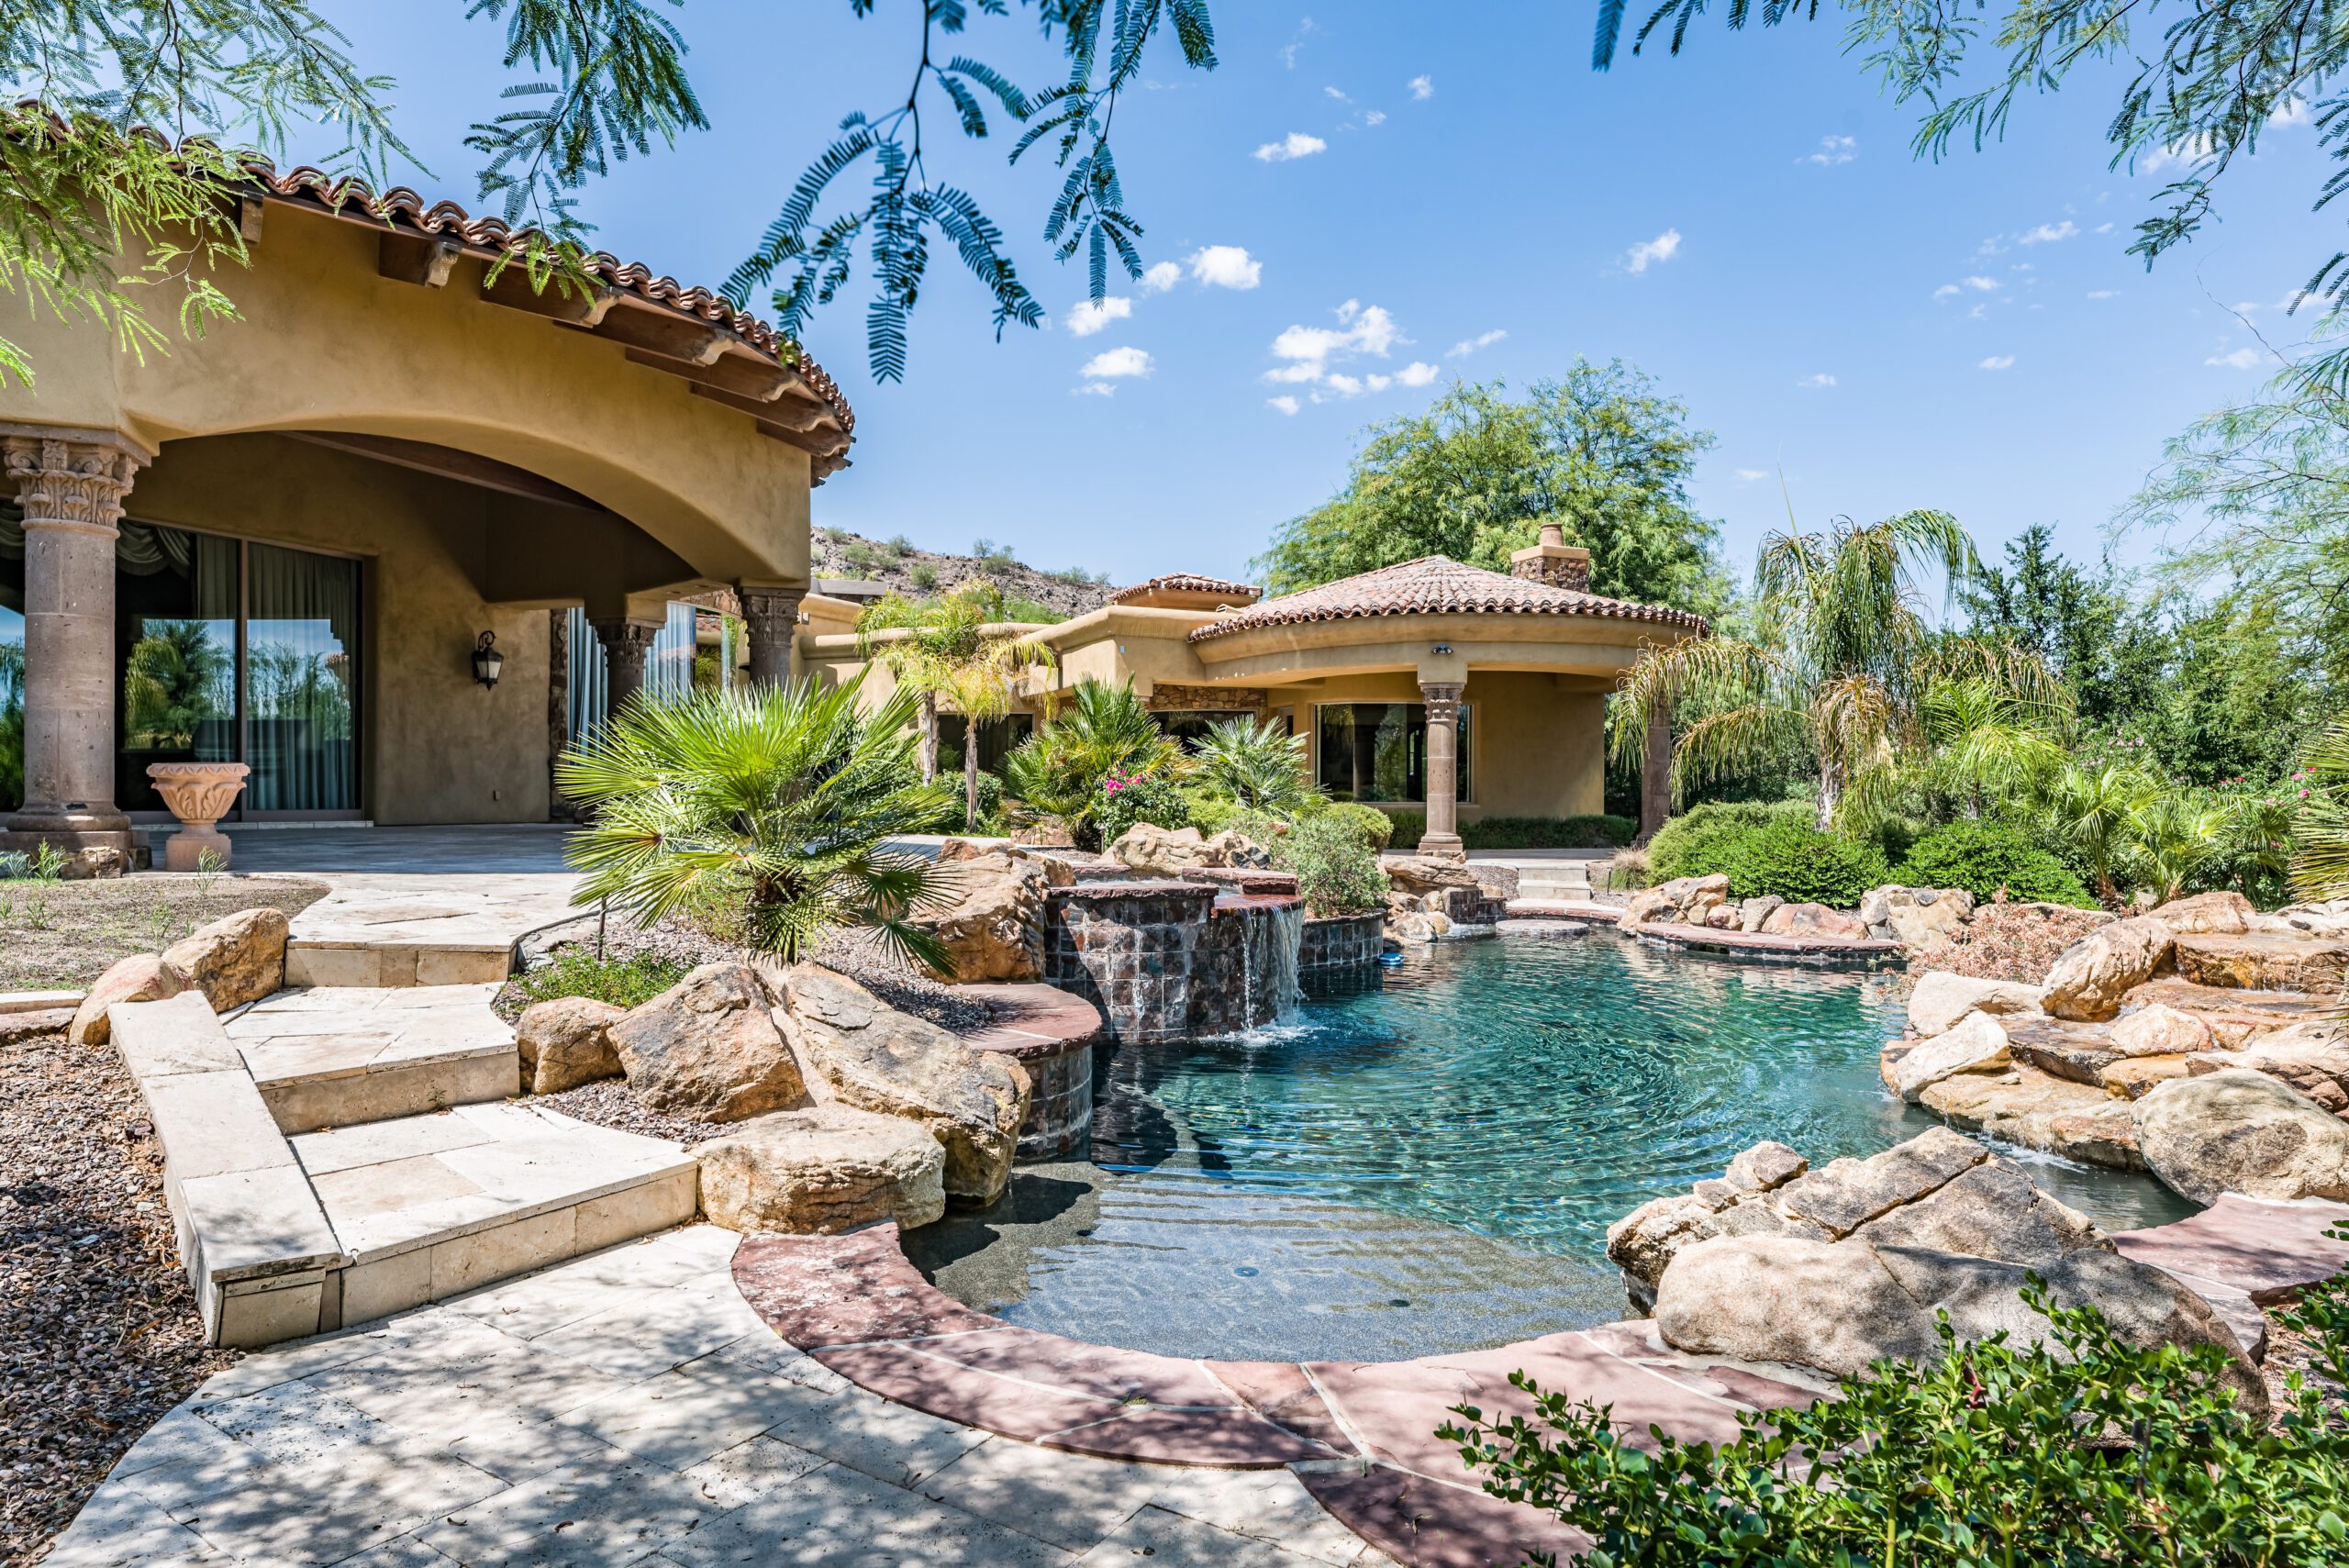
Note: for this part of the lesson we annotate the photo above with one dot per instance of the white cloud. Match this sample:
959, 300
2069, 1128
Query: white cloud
1225, 267
1284, 403
1113, 362
2048, 232
2104, 294
1160, 276
1349, 386
1979, 285
1373, 116
1087, 317
1469, 345
1997, 363
1335, 94
1821, 379
2101, 228
2193, 149
1295, 145
1422, 89
1419, 372
1832, 149
2291, 111
2242, 358
1095, 389
1663, 248
1947, 290
1308, 354
1748, 475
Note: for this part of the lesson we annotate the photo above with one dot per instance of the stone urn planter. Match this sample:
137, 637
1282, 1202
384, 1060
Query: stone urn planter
199, 795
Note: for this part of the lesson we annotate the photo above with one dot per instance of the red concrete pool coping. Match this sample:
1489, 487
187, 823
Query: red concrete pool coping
1031, 1019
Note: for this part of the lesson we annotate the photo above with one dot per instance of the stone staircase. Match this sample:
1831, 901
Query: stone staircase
333, 1154
1553, 882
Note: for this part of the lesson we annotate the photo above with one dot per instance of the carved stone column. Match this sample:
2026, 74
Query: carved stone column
771, 615
1443, 835
625, 644
70, 485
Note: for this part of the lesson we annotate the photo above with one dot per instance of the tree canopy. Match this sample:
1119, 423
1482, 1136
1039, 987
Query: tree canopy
593, 83
1599, 450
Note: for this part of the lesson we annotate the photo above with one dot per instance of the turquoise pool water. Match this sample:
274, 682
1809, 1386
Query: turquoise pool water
1432, 1161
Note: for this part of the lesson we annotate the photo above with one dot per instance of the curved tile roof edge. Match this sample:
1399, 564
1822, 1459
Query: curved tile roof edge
1526, 597
1184, 583
306, 184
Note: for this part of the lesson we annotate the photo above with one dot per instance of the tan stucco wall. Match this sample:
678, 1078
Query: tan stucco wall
437, 747
324, 342
1537, 742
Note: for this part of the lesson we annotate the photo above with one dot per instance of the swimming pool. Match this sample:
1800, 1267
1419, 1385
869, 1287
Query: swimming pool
1429, 1162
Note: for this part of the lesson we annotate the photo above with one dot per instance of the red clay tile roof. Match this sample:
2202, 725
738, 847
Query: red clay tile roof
1187, 582
1434, 585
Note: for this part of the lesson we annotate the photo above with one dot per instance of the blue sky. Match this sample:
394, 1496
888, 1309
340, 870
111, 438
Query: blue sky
1468, 198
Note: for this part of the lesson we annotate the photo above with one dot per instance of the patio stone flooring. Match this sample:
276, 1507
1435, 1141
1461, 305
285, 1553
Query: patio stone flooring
630, 1407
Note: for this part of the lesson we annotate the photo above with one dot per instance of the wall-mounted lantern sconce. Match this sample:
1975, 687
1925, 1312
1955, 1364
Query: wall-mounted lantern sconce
1440, 648
488, 662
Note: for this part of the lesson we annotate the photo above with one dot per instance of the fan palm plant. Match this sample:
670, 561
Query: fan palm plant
2321, 869
1254, 762
781, 802
2172, 838
1102, 732
1839, 667
2091, 816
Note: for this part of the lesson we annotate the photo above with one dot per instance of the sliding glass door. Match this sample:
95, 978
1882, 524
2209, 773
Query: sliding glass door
232, 652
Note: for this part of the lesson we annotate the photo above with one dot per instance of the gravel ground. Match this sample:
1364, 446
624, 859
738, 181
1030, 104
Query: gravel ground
613, 1103
63, 935
99, 1329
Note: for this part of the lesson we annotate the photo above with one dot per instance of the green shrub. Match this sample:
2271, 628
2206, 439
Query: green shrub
1410, 826
924, 575
1695, 842
1983, 857
949, 818
1802, 866
1367, 823
1155, 800
576, 971
1337, 874
2084, 1452
1549, 833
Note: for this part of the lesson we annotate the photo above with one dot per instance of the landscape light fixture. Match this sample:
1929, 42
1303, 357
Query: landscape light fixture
488, 662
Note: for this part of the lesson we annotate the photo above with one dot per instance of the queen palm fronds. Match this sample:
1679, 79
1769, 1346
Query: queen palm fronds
958, 646
2321, 869
782, 802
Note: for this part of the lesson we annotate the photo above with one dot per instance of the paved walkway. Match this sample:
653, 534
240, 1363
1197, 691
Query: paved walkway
630, 1407
450, 888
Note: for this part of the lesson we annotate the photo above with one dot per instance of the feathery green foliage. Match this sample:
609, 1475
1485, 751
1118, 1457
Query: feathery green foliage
2081, 1451
1255, 763
894, 221
778, 802
1599, 450
954, 647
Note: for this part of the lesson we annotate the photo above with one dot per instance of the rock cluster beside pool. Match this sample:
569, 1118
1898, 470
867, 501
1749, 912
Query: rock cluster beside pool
2197, 1041
842, 1110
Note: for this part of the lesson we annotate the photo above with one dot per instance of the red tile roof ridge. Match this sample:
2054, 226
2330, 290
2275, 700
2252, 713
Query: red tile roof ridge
1435, 584
1186, 582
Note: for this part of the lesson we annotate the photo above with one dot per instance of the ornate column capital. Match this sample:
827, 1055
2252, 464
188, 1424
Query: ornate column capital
771, 609
626, 637
1442, 698
69, 479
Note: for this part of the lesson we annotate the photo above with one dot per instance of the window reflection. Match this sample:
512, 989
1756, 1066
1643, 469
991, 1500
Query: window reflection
1378, 751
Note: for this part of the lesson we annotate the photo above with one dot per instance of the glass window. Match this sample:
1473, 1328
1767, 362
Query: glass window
301, 672
997, 737
175, 634
1377, 751
1189, 726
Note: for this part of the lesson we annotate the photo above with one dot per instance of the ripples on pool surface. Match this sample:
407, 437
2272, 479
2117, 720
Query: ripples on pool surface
1431, 1162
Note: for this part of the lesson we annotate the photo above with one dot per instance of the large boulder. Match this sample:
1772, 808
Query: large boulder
2034, 1110
2312, 1057
1420, 875
1976, 1045
1914, 915
1753, 913
1941, 999
821, 1171
877, 1059
1838, 1307
141, 977
1232, 848
2226, 913
2092, 976
1815, 921
2159, 1030
994, 928
234, 960
708, 1048
567, 1042
2265, 961
1159, 851
2240, 1131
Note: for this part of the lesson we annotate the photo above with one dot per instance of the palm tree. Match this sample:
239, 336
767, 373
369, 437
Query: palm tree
782, 802
1994, 719
2321, 871
1104, 731
2092, 816
957, 647
1839, 668
1255, 762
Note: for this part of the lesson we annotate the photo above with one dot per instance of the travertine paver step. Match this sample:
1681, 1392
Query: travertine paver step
341, 1055
428, 1206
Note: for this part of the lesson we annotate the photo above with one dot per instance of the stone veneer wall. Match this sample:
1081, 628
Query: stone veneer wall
1343, 942
1165, 960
